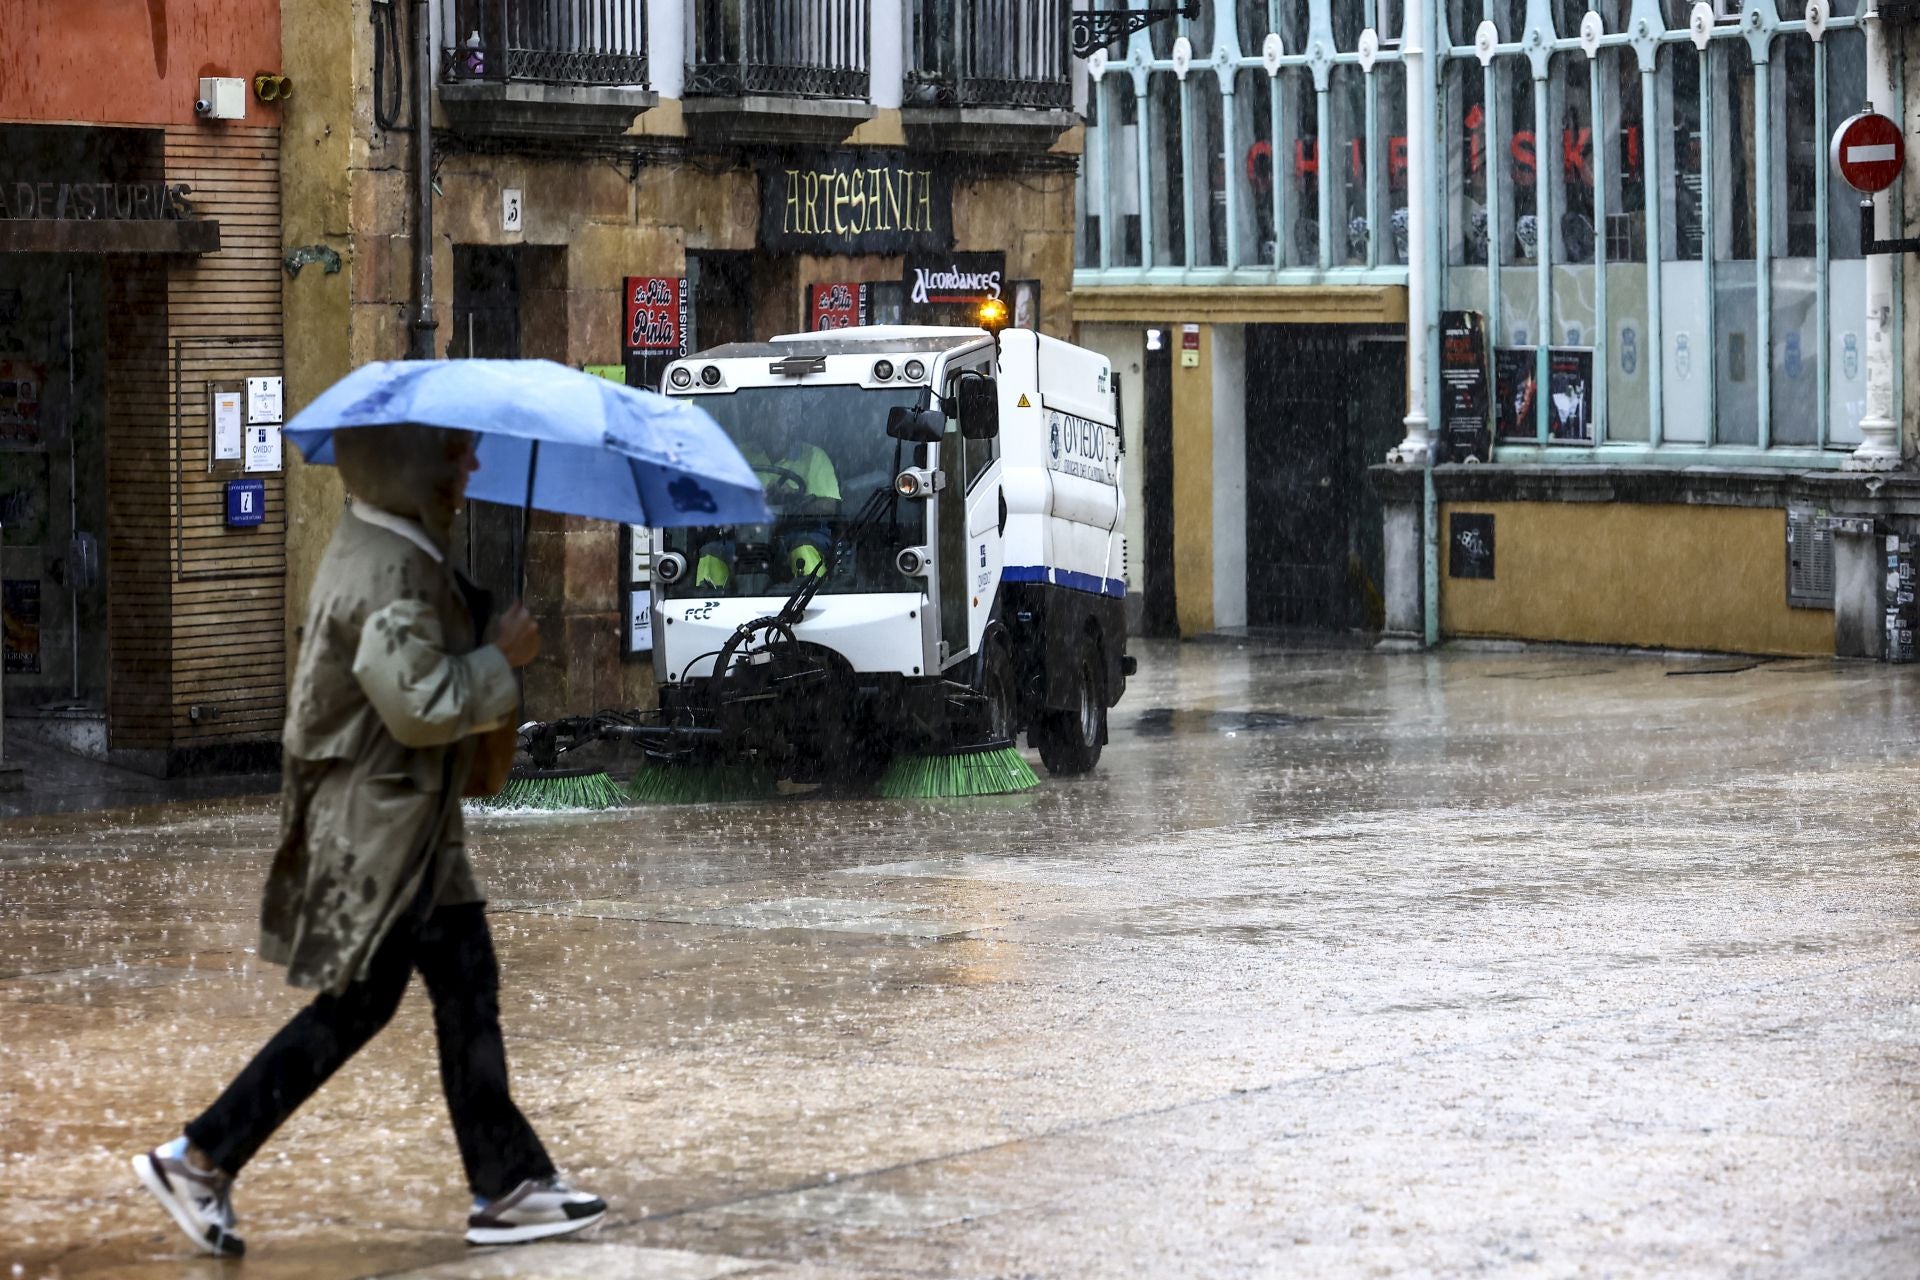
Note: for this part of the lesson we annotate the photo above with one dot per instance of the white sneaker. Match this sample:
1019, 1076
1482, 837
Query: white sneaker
201, 1204
534, 1210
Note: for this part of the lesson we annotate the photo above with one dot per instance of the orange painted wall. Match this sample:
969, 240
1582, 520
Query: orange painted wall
130, 62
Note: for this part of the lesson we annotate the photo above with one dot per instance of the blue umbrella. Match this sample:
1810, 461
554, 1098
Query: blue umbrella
553, 438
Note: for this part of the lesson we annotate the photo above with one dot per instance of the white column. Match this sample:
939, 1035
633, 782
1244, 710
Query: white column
1417, 448
887, 58
667, 46
1229, 475
1879, 448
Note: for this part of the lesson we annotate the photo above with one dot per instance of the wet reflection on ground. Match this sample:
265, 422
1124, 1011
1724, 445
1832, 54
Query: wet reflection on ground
1341, 964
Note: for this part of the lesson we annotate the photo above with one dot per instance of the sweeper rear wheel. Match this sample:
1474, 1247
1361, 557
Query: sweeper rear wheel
1069, 741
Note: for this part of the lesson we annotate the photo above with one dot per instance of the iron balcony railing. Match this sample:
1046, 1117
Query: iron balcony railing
787, 48
990, 53
566, 42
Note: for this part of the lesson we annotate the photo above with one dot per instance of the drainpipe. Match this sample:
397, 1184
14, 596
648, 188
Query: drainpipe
1417, 449
420, 342
1879, 448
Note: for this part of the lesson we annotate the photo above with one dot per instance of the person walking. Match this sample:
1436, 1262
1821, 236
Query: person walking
370, 882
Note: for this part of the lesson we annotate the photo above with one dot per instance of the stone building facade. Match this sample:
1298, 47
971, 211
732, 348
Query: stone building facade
716, 156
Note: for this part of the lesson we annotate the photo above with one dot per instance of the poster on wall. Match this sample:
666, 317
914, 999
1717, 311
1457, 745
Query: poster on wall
1570, 394
20, 619
657, 327
1514, 379
23, 499
21, 382
1465, 433
656, 320
836, 305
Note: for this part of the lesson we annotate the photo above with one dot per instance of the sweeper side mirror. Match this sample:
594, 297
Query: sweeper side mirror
979, 401
915, 426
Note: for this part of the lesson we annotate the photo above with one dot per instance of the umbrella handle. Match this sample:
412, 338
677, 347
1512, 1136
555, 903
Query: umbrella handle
526, 523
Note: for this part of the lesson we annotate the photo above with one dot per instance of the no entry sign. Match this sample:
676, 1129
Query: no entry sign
1868, 152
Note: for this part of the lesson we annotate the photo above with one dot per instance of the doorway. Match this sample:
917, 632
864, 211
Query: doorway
1324, 402
53, 353
488, 537
1160, 615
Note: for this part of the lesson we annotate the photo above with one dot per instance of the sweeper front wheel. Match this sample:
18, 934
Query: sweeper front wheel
1069, 741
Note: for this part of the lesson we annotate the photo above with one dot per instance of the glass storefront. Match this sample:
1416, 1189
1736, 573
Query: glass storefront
1649, 227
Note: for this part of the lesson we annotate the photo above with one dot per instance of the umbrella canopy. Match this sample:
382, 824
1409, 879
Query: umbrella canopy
553, 438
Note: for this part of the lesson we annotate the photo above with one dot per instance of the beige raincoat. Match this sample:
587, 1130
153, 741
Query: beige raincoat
389, 690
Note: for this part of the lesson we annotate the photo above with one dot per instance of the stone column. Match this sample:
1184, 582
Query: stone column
1417, 447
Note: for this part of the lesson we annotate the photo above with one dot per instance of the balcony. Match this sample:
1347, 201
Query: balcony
989, 76
551, 69
777, 71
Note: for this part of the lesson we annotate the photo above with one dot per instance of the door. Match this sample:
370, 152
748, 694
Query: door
1161, 617
53, 353
972, 484
488, 537
1323, 403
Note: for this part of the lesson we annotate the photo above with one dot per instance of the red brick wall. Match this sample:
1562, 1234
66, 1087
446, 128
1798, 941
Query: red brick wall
131, 61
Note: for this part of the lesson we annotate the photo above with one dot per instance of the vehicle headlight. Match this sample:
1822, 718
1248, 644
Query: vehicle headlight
670, 568
681, 376
915, 371
883, 370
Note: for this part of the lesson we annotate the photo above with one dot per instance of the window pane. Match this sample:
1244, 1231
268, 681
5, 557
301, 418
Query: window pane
1519, 158
1797, 157
1391, 163
1465, 140
1167, 190
1623, 135
1346, 165
1251, 171
1209, 170
1567, 158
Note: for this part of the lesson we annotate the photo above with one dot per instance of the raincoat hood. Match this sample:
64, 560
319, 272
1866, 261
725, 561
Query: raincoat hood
411, 471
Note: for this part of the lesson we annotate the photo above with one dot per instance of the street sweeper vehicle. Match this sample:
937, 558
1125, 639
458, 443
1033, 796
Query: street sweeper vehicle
944, 570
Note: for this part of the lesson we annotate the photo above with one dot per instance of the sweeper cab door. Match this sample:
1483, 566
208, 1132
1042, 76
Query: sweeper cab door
971, 509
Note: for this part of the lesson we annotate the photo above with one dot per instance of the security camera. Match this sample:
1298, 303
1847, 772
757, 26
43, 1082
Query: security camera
201, 107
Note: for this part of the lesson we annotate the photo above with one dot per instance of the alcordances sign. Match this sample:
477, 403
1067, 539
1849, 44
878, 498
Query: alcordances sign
853, 202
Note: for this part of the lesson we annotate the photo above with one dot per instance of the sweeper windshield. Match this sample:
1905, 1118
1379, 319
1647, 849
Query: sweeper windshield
822, 452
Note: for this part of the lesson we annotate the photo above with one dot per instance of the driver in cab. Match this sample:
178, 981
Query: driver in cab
800, 481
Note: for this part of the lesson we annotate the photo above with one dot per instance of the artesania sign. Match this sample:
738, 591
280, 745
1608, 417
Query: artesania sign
855, 202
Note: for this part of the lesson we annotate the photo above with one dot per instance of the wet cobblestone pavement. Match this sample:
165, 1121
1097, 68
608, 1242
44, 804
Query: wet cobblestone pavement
1518, 964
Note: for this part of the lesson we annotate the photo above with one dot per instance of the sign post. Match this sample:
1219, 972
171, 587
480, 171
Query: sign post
1868, 153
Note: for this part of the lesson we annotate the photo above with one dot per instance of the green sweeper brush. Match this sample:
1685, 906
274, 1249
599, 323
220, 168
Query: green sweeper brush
553, 790
994, 772
689, 782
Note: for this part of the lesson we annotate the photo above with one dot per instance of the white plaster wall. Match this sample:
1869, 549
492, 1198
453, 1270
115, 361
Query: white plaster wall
1229, 475
888, 57
667, 46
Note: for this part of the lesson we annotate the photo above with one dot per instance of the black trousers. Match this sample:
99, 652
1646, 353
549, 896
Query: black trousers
453, 952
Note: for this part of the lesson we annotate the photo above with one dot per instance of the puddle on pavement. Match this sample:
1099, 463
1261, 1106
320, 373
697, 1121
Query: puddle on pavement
873, 1210
585, 1260
824, 915
1163, 722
